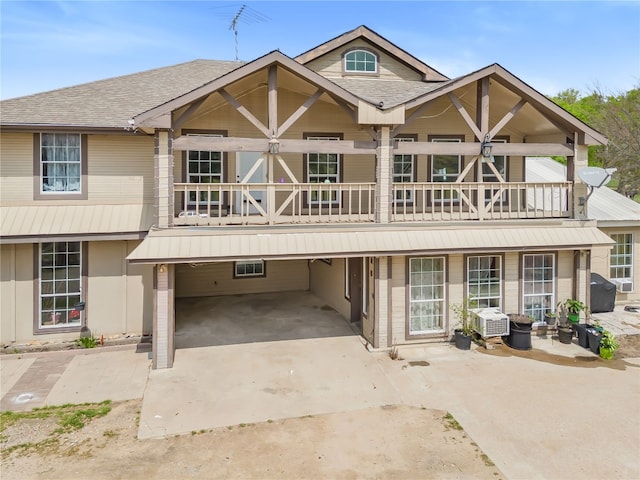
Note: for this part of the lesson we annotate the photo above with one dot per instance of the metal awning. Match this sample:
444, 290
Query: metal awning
36, 223
199, 246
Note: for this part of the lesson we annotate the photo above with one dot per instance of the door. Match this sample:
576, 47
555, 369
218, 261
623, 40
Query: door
244, 164
355, 288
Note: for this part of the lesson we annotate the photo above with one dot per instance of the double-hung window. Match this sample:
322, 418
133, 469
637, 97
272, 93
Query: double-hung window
538, 285
445, 168
323, 168
360, 61
60, 163
204, 167
621, 257
484, 281
426, 295
403, 172
60, 266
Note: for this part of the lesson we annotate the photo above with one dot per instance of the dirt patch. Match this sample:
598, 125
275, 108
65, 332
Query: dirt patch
629, 346
399, 442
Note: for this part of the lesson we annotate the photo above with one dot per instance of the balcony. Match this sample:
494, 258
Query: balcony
300, 203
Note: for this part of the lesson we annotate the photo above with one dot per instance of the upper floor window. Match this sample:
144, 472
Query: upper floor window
204, 166
360, 61
445, 168
404, 172
323, 168
60, 162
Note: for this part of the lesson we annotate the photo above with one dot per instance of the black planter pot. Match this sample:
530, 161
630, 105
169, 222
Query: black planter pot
594, 340
565, 334
583, 339
463, 342
519, 332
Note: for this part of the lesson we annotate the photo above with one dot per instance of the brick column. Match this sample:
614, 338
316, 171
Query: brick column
163, 316
384, 178
163, 178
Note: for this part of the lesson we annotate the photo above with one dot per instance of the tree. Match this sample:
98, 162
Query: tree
618, 118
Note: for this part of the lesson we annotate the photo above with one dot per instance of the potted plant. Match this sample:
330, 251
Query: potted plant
520, 327
608, 345
572, 309
565, 330
464, 333
550, 318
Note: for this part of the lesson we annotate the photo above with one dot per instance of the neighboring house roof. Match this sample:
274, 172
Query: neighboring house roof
173, 246
112, 102
606, 206
429, 73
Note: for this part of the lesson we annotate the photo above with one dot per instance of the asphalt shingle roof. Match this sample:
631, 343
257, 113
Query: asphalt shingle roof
391, 92
112, 102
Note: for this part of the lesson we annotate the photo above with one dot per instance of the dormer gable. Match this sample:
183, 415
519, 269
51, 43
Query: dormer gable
362, 52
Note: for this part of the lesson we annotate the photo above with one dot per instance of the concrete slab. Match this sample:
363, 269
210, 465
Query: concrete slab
233, 384
620, 321
536, 414
109, 375
12, 367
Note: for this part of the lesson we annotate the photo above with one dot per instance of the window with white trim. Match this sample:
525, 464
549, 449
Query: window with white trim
621, 257
426, 295
403, 172
484, 281
445, 168
360, 61
204, 167
538, 285
249, 268
323, 168
60, 284
60, 163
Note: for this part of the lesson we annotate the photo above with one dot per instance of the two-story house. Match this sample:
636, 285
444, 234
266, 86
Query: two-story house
220, 178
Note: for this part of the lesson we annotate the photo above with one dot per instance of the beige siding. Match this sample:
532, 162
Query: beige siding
330, 65
118, 297
211, 279
120, 170
16, 174
327, 282
368, 320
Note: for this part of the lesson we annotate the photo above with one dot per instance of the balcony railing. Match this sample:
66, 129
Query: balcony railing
294, 203
273, 203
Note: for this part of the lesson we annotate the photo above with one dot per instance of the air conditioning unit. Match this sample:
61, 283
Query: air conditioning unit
490, 322
623, 285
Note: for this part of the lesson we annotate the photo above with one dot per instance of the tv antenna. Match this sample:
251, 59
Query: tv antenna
246, 15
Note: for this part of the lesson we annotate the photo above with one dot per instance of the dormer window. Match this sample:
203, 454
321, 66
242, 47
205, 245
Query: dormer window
360, 61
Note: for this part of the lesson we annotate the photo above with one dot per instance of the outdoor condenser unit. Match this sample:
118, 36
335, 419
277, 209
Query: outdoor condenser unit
490, 322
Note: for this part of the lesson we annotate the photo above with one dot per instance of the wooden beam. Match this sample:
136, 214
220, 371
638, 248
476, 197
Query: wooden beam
473, 148
467, 118
272, 105
299, 112
400, 128
499, 126
482, 110
285, 167
253, 169
244, 112
187, 114
236, 144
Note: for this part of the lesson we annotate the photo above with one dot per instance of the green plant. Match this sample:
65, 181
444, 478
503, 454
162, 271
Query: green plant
608, 341
463, 312
572, 306
87, 342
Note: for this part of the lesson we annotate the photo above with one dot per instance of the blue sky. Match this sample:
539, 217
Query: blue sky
550, 45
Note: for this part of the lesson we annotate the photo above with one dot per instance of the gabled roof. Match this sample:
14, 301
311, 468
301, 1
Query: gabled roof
112, 102
606, 206
525, 91
272, 58
429, 74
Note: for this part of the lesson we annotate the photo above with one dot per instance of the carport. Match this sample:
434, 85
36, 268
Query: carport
256, 317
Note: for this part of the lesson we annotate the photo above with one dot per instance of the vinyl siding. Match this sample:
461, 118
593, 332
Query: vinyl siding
16, 172
211, 279
600, 262
327, 282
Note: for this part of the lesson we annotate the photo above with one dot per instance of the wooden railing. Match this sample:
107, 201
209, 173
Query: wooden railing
480, 201
273, 203
294, 203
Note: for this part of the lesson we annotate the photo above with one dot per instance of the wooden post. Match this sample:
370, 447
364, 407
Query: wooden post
384, 179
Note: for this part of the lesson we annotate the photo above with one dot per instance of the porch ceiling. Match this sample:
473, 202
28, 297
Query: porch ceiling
195, 246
